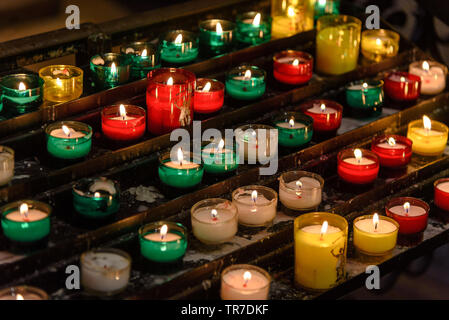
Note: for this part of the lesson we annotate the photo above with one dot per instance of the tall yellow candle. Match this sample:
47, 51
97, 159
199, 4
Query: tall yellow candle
291, 17
337, 44
375, 235
320, 250
429, 136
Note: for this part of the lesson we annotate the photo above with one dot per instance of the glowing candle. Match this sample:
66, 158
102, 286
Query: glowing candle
379, 44
357, 166
244, 282
68, 139
62, 82
441, 193
429, 136
410, 213
253, 28
300, 190
393, 151
123, 122
23, 293
433, 76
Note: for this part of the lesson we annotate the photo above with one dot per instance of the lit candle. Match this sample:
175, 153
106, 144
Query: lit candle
110, 69
291, 17
379, 44
253, 28
218, 159
300, 190
441, 193
257, 141
68, 139
23, 293
365, 98
393, 151
294, 129
326, 115
244, 282
216, 36
357, 166
6, 165
410, 213
123, 123
179, 46
292, 67
246, 82
433, 76
323, 7
402, 86
21, 93
62, 82
429, 136
209, 96
144, 58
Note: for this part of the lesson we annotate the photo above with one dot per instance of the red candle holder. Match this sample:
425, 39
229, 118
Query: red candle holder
412, 219
123, 123
441, 193
326, 114
402, 86
357, 167
292, 67
169, 99
208, 97
393, 151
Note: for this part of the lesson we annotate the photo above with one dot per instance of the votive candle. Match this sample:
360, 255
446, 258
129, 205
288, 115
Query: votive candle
253, 28
357, 166
21, 93
216, 36
379, 44
123, 122
410, 213
219, 158
294, 129
182, 170
257, 142
23, 293
326, 115
441, 193
179, 46
244, 282
393, 151
429, 136
62, 82
6, 165
110, 69
402, 86
209, 95
144, 58
433, 76
246, 82
293, 67
300, 190
365, 97
68, 139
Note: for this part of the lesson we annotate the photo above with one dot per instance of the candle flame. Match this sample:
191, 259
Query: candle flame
324, 227
256, 20
144, 53
295, 62
58, 82
178, 39
322, 3
291, 123
214, 213
113, 68
365, 85
290, 11
425, 66
378, 42
323, 107
375, 221
221, 144
163, 231
23, 209
247, 75
122, 111
406, 207
391, 141
180, 155
19, 297
358, 154
66, 130
170, 81
218, 28
97, 195
254, 195
427, 123
22, 86
299, 184
207, 87
402, 79
246, 277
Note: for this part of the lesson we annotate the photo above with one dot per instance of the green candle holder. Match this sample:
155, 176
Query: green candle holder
182, 175
110, 69
21, 93
365, 98
144, 57
294, 129
324, 7
158, 250
215, 41
28, 226
96, 198
246, 82
219, 158
179, 46
253, 28
75, 145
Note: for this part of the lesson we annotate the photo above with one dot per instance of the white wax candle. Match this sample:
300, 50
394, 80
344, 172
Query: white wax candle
6, 167
383, 226
360, 87
433, 81
123, 118
296, 125
361, 161
235, 287
105, 272
290, 60
156, 236
103, 185
413, 211
316, 229
59, 133
32, 215
254, 213
443, 186
253, 148
307, 196
181, 165
386, 145
214, 229
316, 108
398, 78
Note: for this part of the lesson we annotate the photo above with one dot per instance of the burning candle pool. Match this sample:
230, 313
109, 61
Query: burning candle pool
441, 193
219, 158
379, 44
410, 213
429, 136
214, 221
62, 82
246, 82
110, 69
144, 57
365, 98
433, 76
209, 96
292, 67
326, 115
68, 139
163, 241
300, 190
21, 93
402, 86
6, 165
294, 129
23, 293
123, 122
357, 166
393, 151
26, 221
216, 36
244, 282
179, 46
253, 28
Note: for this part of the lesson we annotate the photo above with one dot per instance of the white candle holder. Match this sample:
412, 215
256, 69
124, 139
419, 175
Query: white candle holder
214, 221
244, 282
256, 205
300, 190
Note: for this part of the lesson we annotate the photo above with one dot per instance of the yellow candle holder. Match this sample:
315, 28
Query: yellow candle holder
62, 82
337, 44
374, 243
427, 142
291, 17
379, 44
320, 257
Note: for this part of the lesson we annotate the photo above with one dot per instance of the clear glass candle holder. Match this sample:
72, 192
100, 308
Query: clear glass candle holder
294, 129
428, 142
219, 158
105, 271
337, 44
110, 69
179, 46
163, 247
6, 165
73, 143
253, 28
216, 37
245, 282
23, 293
246, 82
379, 44
291, 17
62, 82
96, 198
26, 221
300, 190
214, 221
365, 98
182, 171
320, 244
21, 93
257, 142
433, 76
256, 205
144, 58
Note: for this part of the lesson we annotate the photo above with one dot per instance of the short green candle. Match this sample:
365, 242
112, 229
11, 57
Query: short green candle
144, 57
181, 173
365, 98
253, 28
216, 37
21, 93
96, 198
323, 7
246, 82
163, 241
294, 129
110, 69
219, 158
26, 220
68, 139
179, 46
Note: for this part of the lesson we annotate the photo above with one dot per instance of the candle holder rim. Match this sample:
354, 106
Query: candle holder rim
284, 53
220, 86
419, 122
46, 68
154, 226
412, 200
271, 191
409, 76
58, 124
230, 26
165, 157
381, 217
237, 70
255, 126
384, 138
188, 74
197, 205
110, 250
372, 82
419, 63
247, 267
6, 209
281, 118
251, 14
123, 64
438, 181
141, 110
304, 174
90, 194
364, 153
319, 215
39, 80
7, 149
21, 288
188, 33
133, 44
328, 103
387, 32
338, 19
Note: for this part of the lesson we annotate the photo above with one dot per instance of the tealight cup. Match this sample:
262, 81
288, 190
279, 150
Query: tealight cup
293, 67
183, 170
144, 58
379, 44
429, 137
21, 93
410, 213
219, 158
62, 82
110, 69
433, 76
244, 282
216, 36
393, 151
294, 129
23, 293
178, 46
300, 190
402, 86
246, 82
253, 28
6, 165
357, 166
365, 97
123, 122
441, 193
326, 115
209, 96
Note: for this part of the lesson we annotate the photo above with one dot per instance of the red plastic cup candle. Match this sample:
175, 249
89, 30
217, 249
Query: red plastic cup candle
357, 166
293, 67
326, 114
393, 151
123, 123
169, 99
410, 213
441, 193
209, 95
402, 86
